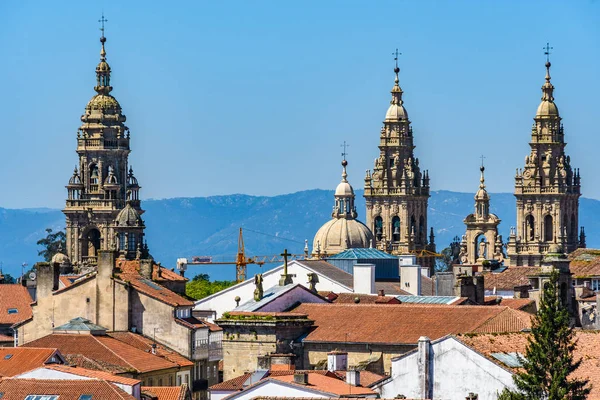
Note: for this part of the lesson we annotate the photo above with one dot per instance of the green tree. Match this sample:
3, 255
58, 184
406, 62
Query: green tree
549, 358
201, 286
8, 278
51, 244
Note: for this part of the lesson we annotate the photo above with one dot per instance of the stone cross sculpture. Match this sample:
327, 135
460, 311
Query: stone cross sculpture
258, 292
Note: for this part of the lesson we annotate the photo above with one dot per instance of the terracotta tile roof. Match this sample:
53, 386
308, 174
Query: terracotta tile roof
18, 389
391, 288
403, 323
587, 349
77, 282
364, 298
367, 378
68, 280
166, 392
133, 267
517, 304
509, 278
312, 398
17, 360
82, 361
508, 320
106, 376
237, 383
105, 349
145, 344
14, 297
155, 290
329, 383
585, 263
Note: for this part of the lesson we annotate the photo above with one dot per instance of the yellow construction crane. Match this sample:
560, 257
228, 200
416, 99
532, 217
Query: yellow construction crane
241, 261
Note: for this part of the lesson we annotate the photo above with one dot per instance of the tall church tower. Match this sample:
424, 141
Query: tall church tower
547, 189
397, 192
103, 206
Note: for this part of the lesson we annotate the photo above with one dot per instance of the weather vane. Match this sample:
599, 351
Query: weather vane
102, 21
344, 153
547, 49
396, 54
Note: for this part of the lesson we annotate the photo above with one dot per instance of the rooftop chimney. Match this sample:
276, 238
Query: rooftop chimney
337, 361
301, 378
424, 367
364, 279
282, 362
353, 377
146, 269
381, 292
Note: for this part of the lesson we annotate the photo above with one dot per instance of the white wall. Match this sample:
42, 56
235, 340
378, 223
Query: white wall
410, 279
457, 371
220, 394
224, 300
364, 278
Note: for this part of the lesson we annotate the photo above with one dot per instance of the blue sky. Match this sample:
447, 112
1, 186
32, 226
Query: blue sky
256, 97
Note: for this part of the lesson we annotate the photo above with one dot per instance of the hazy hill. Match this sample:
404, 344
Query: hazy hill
184, 227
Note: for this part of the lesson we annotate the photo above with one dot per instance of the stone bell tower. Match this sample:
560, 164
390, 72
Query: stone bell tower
397, 191
103, 206
547, 190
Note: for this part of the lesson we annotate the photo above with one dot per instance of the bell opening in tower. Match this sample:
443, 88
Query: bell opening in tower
92, 244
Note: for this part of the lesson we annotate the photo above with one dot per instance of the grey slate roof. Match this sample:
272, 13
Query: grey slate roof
330, 271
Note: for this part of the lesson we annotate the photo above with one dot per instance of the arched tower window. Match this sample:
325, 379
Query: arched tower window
413, 224
480, 247
132, 242
396, 229
92, 243
548, 228
122, 241
574, 228
421, 229
378, 227
530, 227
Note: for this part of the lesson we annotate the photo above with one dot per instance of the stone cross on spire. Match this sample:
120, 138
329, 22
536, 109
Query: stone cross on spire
396, 54
344, 153
286, 279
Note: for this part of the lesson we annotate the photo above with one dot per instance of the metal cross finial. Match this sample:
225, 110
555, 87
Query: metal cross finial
547, 49
482, 158
396, 54
344, 153
102, 21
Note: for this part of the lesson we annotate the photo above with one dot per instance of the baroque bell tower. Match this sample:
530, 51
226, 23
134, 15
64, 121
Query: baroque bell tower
547, 189
103, 206
397, 191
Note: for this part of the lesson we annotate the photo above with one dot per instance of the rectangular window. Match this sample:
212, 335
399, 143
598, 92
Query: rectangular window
122, 241
178, 380
41, 397
150, 382
85, 397
595, 284
13, 311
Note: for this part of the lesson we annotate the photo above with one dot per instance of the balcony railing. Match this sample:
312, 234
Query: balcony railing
215, 354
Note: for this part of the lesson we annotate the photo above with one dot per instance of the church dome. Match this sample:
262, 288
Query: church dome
128, 216
103, 102
396, 112
547, 109
344, 189
340, 234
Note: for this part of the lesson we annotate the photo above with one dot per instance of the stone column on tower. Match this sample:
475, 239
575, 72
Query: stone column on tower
397, 190
547, 189
103, 207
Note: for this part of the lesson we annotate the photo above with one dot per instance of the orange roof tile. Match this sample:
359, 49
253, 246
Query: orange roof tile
403, 323
585, 263
517, 304
17, 360
509, 278
364, 298
6, 338
105, 349
133, 267
106, 376
155, 290
587, 349
327, 383
14, 297
18, 389
166, 392
143, 343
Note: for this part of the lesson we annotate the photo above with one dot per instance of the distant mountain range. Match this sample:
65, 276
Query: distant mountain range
186, 227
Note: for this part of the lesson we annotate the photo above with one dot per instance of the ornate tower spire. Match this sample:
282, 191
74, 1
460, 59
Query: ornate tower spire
547, 188
103, 207
481, 240
397, 190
